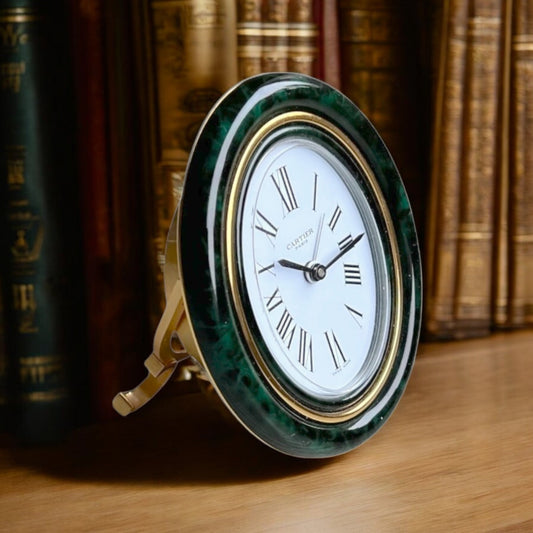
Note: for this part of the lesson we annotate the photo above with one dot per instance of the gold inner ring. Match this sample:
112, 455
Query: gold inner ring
363, 401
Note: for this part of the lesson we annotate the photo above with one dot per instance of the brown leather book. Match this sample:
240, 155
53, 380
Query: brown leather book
521, 167
113, 248
445, 178
379, 72
329, 68
303, 38
186, 59
473, 297
275, 29
249, 37
501, 280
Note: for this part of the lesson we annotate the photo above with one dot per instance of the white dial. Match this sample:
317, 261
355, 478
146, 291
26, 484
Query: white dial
314, 269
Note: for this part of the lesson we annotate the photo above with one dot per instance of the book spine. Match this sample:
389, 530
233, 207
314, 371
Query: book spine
473, 299
249, 37
3, 370
275, 29
369, 41
501, 281
41, 268
189, 60
443, 213
379, 60
521, 166
111, 201
329, 68
303, 38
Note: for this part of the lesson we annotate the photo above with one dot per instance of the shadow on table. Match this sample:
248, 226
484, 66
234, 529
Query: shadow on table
175, 440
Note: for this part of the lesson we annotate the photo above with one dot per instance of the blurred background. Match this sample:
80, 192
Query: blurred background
100, 102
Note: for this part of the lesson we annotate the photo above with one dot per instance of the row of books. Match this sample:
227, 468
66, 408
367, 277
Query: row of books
480, 220
100, 121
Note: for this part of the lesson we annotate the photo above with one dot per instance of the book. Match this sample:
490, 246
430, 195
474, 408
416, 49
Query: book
303, 38
379, 71
41, 268
521, 167
275, 36
186, 58
3, 370
111, 185
328, 57
448, 110
473, 292
501, 276
249, 38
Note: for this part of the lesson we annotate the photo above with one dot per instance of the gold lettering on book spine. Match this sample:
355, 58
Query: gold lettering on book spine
25, 307
39, 376
13, 34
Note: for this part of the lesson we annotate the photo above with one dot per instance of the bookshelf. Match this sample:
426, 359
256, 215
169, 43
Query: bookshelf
455, 456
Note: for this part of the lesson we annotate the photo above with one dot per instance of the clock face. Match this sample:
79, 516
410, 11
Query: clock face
314, 269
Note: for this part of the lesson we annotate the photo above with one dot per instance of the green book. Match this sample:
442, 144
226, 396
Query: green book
3, 371
40, 233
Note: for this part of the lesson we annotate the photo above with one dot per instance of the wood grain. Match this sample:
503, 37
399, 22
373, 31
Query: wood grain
455, 456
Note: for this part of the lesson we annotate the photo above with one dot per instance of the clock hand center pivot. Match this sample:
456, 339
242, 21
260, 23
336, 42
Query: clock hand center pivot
313, 271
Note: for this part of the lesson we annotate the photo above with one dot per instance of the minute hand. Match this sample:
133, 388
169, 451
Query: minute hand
345, 250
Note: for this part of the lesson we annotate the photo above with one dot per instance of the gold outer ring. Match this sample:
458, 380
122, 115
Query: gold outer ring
369, 395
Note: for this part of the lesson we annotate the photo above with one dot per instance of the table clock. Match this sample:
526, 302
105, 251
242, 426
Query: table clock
292, 271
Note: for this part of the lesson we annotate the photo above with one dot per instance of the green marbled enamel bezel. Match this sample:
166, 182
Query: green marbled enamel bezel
209, 265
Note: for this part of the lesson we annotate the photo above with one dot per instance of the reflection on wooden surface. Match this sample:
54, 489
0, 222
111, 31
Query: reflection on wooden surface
456, 455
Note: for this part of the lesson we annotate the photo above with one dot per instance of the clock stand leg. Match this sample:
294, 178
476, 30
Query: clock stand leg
167, 353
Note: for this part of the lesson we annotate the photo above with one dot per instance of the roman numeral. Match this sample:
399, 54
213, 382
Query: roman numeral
273, 300
334, 218
315, 189
356, 315
264, 225
352, 274
268, 268
284, 187
286, 327
305, 350
335, 350
344, 243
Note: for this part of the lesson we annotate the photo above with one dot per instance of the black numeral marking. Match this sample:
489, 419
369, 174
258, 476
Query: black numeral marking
334, 218
315, 189
273, 300
286, 327
305, 350
344, 243
356, 315
352, 274
283, 185
264, 225
268, 268
334, 347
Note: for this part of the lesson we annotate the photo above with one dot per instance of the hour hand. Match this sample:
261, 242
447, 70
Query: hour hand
296, 266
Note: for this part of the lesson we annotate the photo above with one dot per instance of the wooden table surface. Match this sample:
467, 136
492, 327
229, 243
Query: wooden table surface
456, 455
